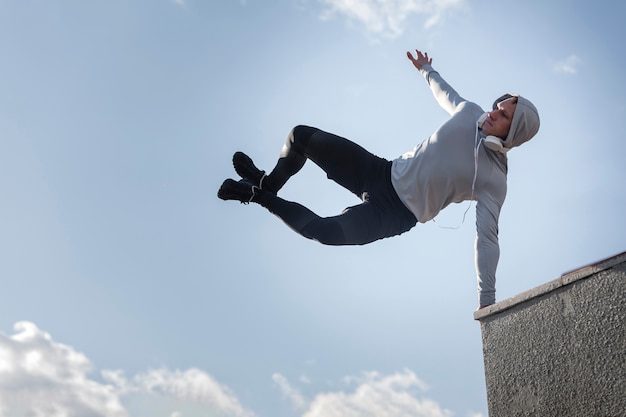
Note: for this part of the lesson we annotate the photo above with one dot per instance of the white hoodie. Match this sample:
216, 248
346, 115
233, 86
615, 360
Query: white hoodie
441, 170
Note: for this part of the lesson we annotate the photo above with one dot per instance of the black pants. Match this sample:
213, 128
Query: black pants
381, 213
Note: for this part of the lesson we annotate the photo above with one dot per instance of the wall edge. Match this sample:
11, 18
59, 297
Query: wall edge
566, 278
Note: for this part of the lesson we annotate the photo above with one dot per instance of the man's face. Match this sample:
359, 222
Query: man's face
499, 121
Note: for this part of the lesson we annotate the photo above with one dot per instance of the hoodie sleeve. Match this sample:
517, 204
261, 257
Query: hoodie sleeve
446, 96
487, 248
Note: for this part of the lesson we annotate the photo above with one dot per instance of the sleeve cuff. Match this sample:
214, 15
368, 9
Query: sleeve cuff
426, 70
486, 299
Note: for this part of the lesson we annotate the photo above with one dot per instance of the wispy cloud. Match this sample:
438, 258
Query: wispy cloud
388, 17
41, 377
179, 2
290, 392
568, 66
372, 395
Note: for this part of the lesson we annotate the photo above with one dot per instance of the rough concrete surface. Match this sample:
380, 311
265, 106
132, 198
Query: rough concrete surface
562, 352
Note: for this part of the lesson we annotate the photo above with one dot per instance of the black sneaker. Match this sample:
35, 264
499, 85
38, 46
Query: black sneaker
246, 169
241, 190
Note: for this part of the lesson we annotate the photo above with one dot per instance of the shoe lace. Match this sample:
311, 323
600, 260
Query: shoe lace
255, 189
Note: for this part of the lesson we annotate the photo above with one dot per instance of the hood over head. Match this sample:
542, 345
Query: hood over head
525, 123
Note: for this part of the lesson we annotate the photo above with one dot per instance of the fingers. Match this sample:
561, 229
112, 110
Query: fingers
425, 56
417, 53
420, 56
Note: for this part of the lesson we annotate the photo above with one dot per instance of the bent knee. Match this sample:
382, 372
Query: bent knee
301, 133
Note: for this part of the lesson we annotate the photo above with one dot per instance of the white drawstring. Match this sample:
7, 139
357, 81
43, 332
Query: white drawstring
477, 141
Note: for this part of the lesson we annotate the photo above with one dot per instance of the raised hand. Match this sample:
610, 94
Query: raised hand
422, 59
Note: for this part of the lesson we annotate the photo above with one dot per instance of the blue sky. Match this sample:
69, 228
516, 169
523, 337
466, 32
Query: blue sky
129, 289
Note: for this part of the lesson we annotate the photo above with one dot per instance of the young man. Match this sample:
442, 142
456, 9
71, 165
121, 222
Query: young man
465, 159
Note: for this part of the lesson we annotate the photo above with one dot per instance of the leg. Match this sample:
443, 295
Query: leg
343, 161
357, 225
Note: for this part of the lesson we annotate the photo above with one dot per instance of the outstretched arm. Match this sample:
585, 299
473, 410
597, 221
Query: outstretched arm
422, 59
445, 95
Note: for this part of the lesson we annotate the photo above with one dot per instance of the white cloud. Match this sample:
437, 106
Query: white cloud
46, 378
388, 17
40, 377
375, 395
569, 65
190, 385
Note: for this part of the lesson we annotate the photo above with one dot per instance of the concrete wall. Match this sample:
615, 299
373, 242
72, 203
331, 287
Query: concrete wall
559, 349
